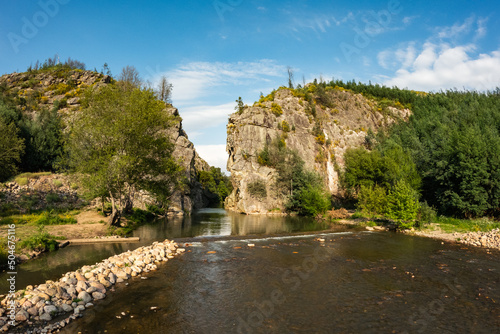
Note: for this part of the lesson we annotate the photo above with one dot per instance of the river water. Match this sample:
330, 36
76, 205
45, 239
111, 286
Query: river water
296, 278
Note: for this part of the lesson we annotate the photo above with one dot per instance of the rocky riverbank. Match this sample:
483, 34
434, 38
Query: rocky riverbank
490, 239
47, 307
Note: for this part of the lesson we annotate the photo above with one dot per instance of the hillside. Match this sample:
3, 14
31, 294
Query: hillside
42, 100
319, 122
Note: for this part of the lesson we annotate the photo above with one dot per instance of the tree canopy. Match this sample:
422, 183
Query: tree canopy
119, 144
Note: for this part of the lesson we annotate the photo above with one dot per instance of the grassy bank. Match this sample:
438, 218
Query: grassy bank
431, 223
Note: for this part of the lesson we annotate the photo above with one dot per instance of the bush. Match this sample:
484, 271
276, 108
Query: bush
257, 189
402, 205
40, 242
51, 198
312, 200
426, 214
49, 218
276, 109
372, 199
141, 216
58, 183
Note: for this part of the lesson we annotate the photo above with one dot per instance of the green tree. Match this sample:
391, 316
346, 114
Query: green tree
11, 149
239, 105
119, 144
372, 199
43, 139
402, 204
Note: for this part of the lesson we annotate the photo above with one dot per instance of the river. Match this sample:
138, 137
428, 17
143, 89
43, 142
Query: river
257, 274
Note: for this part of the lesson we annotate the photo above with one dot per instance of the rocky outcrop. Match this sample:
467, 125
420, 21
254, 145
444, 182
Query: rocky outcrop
63, 88
194, 196
319, 133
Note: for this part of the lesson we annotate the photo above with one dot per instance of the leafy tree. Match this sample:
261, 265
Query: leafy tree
303, 189
239, 105
11, 148
383, 168
402, 204
372, 199
118, 144
43, 139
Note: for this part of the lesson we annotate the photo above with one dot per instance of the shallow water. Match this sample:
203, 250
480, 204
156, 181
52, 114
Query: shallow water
354, 282
290, 281
204, 223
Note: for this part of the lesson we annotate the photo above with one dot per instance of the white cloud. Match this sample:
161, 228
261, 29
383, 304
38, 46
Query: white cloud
195, 80
215, 155
441, 63
403, 56
445, 67
196, 118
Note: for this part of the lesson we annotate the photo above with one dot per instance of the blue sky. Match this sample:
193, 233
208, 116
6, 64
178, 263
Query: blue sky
214, 51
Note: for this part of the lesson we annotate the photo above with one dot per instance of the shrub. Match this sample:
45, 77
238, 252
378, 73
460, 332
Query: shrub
372, 199
58, 183
41, 241
426, 214
50, 218
51, 198
141, 216
276, 109
402, 205
285, 126
257, 189
311, 200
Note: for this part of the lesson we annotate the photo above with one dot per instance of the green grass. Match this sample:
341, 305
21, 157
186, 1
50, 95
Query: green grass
42, 218
50, 218
22, 179
450, 225
41, 241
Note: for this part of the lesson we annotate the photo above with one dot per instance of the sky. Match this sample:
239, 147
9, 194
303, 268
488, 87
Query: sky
214, 51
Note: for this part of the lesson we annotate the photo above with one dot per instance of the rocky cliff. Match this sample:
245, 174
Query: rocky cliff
318, 122
63, 87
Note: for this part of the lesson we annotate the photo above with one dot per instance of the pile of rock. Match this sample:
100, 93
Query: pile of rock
41, 192
76, 290
489, 239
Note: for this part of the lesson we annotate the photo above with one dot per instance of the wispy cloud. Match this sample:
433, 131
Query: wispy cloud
195, 80
215, 155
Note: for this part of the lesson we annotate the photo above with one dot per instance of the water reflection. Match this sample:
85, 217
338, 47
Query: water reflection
218, 222
203, 223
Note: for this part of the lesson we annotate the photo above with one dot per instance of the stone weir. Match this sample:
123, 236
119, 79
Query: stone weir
320, 138
48, 307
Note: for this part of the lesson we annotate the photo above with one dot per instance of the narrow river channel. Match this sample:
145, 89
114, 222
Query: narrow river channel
253, 274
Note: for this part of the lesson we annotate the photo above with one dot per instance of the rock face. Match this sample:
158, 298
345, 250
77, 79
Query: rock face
195, 196
320, 134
